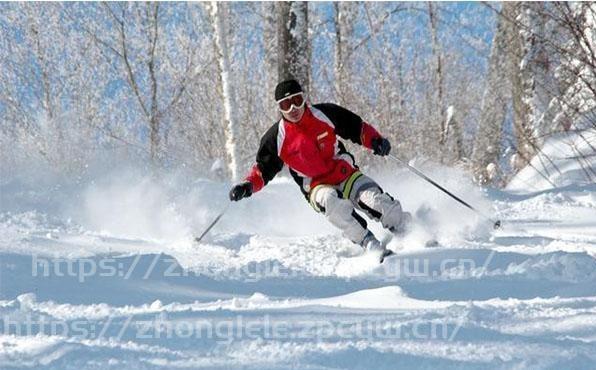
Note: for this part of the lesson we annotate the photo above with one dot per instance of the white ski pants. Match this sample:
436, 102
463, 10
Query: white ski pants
339, 204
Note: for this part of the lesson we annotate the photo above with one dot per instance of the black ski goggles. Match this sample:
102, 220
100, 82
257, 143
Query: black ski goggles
296, 100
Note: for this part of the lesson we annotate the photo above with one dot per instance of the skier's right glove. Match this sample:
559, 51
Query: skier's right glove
381, 146
239, 191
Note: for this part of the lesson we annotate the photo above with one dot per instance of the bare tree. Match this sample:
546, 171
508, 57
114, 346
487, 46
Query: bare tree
344, 19
454, 136
48, 105
487, 146
293, 45
270, 43
529, 56
438, 80
552, 72
152, 76
220, 14
576, 74
136, 41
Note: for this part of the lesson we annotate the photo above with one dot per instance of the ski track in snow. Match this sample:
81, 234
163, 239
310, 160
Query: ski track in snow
520, 297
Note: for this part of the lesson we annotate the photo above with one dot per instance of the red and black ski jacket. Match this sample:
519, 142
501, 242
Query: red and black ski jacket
310, 147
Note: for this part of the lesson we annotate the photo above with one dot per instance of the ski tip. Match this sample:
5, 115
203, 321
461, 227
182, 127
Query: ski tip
386, 253
433, 243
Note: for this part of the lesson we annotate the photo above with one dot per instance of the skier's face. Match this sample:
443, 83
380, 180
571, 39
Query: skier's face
292, 107
295, 114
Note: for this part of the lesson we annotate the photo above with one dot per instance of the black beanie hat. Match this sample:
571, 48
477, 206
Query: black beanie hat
287, 88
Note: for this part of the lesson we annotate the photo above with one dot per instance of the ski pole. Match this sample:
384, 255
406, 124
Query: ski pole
496, 223
223, 211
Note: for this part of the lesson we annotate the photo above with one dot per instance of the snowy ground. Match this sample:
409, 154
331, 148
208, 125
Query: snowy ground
106, 276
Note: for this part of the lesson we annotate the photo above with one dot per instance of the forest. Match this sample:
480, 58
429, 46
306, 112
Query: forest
479, 86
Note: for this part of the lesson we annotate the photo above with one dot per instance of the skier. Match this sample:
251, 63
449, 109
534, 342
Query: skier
306, 140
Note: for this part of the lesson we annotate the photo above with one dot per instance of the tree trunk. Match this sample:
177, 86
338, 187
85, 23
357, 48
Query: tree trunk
487, 146
219, 16
438, 94
293, 45
345, 16
530, 78
454, 134
154, 119
576, 75
270, 36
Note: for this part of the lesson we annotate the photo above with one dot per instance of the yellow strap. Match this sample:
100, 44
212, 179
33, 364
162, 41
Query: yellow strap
346, 191
348, 186
312, 197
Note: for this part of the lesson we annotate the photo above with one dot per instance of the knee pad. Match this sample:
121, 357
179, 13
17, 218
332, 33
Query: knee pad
340, 212
335, 208
320, 196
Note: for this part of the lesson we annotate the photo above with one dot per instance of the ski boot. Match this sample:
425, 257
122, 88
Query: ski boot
404, 226
370, 243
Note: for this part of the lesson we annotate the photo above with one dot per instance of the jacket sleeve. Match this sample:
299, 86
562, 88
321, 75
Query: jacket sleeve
349, 125
268, 161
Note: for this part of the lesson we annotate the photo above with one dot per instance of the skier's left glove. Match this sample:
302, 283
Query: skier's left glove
242, 190
381, 146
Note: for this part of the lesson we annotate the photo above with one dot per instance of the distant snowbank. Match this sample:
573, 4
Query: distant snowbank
568, 158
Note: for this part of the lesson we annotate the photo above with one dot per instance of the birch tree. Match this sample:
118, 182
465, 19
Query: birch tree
219, 14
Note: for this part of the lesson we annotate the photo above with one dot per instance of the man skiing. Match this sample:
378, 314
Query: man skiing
306, 140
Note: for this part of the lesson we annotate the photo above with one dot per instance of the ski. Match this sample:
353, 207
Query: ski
386, 253
432, 243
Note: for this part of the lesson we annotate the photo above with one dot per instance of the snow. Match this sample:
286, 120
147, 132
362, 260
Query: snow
105, 275
567, 159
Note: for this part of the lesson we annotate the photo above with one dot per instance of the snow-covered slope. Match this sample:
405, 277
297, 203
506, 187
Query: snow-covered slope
566, 159
106, 275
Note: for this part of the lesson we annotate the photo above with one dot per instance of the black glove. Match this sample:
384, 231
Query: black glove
381, 146
239, 191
